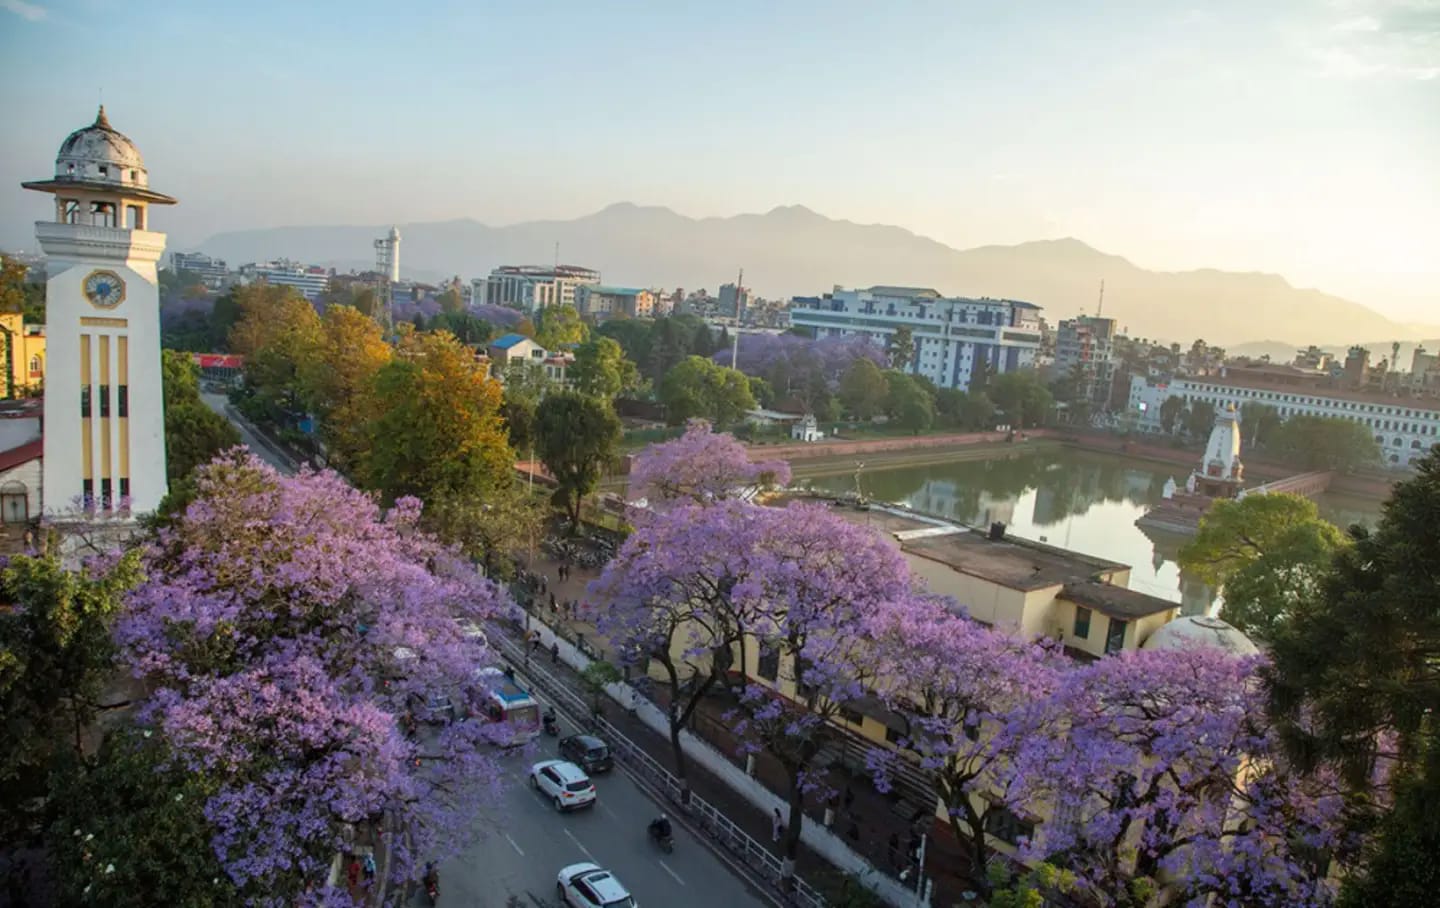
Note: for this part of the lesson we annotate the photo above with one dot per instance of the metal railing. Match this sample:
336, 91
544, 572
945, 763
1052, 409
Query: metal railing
754, 856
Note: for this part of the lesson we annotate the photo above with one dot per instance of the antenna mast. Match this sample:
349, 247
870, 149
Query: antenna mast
1100, 309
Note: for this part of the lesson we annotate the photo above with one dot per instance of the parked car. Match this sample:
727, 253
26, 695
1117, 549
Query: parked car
564, 783
587, 751
588, 885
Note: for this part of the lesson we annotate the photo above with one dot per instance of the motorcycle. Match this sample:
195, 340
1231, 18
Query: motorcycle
432, 885
550, 724
665, 840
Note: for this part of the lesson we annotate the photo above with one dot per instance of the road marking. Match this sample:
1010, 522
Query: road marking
608, 812
672, 873
581, 845
512, 844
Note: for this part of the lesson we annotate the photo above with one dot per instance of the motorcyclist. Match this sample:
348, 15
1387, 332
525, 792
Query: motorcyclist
660, 827
432, 875
549, 718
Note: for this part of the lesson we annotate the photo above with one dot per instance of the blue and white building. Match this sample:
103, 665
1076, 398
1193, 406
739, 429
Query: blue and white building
954, 336
311, 280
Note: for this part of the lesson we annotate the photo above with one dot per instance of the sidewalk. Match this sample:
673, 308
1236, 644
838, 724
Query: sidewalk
867, 823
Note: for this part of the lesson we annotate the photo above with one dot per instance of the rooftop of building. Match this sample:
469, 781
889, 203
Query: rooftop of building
1260, 383
1009, 561
607, 290
506, 341
1117, 601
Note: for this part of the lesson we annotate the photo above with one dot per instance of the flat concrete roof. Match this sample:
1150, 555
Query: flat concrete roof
1009, 561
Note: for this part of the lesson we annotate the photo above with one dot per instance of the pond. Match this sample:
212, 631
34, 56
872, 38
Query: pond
1066, 497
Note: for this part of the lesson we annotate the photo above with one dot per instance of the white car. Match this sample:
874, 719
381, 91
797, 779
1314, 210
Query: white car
590, 886
564, 783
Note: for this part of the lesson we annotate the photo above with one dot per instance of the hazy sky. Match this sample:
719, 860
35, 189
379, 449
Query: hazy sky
1296, 137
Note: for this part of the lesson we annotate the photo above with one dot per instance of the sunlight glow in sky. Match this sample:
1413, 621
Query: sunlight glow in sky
1294, 137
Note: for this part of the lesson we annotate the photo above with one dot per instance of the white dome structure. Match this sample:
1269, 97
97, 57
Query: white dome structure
100, 159
1195, 631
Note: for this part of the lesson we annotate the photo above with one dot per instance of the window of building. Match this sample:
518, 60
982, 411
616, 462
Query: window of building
85, 401
87, 492
1005, 825
35, 365
124, 487
15, 502
769, 665
122, 400
1115, 639
106, 503
1082, 622
854, 717
104, 401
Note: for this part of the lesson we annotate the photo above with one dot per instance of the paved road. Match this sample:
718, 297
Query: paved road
217, 402
526, 842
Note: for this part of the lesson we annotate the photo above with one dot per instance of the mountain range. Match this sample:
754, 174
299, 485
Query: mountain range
792, 250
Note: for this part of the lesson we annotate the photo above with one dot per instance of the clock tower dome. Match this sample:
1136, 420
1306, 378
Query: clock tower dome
104, 443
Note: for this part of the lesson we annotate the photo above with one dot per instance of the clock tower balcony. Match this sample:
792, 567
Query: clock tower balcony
86, 242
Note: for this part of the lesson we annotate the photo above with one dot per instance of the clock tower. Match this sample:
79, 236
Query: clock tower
104, 438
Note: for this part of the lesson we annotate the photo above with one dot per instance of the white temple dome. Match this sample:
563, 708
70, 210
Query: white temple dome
100, 154
1194, 631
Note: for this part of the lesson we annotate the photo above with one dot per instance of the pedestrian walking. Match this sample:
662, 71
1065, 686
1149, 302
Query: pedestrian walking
777, 826
352, 873
534, 641
552, 601
369, 867
555, 653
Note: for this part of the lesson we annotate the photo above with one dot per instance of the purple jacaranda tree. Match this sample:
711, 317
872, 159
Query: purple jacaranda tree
285, 626
499, 316
695, 587
801, 366
701, 466
970, 698
1167, 784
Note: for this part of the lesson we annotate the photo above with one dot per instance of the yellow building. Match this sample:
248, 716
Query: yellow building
24, 351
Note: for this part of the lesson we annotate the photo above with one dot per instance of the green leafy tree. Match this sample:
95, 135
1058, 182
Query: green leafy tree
130, 830
633, 335
56, 654
12, 285
901, 348
451, 302
761, 390
863, 389
698, 387
194, 433
560, 326
1269, 552
670, 343
437, 431
601, 369
1354, 687
1324, 443
1170, 412
1258, 422
1022, 397
597, 676
337, 381
1199, 419
576, 436
907, 403
504, 523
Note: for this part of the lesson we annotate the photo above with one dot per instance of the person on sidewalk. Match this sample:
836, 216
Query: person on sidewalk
555, 653
352, 874
369, 868
777, 827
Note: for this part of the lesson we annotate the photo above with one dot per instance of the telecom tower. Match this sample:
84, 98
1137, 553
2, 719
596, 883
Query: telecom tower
387, 263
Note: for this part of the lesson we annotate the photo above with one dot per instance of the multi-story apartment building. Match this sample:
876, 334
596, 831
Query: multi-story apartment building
1406, 428
599, 301
310, 280
1085, 353
532, 287
954, 337
212, 272
734, 300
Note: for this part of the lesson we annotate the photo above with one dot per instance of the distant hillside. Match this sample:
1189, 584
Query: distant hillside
794, 251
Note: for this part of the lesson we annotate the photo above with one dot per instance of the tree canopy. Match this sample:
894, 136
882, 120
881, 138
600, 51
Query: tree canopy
1324, 443
701, 466
284, 626
1269, 552
700, 388
576, 437
863, 389
601, 369
1022, 397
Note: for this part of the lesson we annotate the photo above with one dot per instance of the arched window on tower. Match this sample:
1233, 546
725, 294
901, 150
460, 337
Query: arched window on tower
102, 214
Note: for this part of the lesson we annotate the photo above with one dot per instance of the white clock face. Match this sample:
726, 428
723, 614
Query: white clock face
104, 289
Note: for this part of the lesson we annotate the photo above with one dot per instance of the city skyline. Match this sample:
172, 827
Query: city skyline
1293, 140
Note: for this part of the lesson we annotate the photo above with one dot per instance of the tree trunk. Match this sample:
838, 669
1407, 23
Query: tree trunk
790, 840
